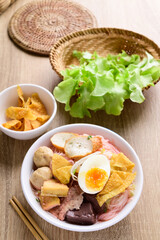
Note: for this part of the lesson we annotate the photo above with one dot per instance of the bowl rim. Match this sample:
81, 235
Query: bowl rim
79, 228
42, 126
107, 31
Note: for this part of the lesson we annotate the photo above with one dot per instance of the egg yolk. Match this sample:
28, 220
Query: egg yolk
96, 178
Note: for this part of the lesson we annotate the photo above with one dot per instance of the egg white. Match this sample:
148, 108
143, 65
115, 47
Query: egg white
96, 161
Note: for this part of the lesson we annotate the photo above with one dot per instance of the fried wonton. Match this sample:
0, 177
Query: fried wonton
121, 162
27, 103
19, 113
13, 124
116, 184
35, 124
127, 177
29, 114
120, 179
43, 118
21, 101
36, 105
27, 124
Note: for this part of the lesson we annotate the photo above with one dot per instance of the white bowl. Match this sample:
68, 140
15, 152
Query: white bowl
9, 98
91, 130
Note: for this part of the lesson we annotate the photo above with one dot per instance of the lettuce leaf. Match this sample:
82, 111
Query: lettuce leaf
104, 83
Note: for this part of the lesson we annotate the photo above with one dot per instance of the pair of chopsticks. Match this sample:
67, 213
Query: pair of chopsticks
27, 219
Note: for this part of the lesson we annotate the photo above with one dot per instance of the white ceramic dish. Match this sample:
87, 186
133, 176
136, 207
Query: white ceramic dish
9, 96
91, 130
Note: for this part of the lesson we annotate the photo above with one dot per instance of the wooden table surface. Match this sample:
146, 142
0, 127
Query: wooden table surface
138, 124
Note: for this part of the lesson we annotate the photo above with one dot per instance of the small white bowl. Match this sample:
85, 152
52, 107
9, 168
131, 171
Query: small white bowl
9, 97
90, 129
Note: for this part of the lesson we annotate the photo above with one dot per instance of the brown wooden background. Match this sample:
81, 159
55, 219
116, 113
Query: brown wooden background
138, 124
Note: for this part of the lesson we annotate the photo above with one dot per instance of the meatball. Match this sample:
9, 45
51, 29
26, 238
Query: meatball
39, 176
43, 156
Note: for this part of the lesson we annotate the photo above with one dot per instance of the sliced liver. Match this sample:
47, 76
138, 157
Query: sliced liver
84, 216
92, 199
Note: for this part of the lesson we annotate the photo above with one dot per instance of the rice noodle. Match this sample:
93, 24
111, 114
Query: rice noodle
115, 206
108, 146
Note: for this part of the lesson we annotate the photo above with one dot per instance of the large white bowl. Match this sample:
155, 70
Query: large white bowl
90, 129
9, 97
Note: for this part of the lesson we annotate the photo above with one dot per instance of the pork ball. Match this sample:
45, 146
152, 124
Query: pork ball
39, 176
43, 156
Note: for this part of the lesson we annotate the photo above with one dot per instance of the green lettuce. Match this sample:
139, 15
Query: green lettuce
104, 83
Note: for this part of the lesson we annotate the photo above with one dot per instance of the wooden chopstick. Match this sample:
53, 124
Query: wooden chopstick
28, 220
22, 216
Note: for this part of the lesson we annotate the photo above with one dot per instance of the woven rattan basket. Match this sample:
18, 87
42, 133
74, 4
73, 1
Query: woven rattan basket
38, 24
4, 4
101, 40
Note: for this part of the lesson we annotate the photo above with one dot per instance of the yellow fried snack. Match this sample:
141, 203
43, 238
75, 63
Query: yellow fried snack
13, 124
27, 124
116, 184
28, 115
21, 101
48, 203
127, 177
18, 113
36, 105
64, 174
35, 123
53, 188
38, 108
58, 161
121, 162
27, 103
61, 168
42, 118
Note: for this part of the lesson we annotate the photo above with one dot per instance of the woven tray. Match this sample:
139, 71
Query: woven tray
103, 41
36, 26
4, 4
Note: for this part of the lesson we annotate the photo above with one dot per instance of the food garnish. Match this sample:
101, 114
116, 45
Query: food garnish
104, 83
89, 137
28, 115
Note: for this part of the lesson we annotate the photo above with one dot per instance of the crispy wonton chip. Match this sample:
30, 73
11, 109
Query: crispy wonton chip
27, 124
13, 124
37, 106
27, 103
19, 113
28, 115
35, 124
43, 118
63, 174
127, 177
121, 162
116, 184
21, 101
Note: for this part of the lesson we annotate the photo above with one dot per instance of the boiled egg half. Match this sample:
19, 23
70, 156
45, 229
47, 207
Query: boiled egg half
94, 173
